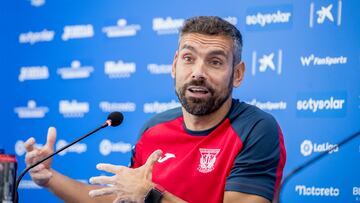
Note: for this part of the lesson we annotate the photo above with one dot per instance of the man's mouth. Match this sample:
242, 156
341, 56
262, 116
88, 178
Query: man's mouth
198, 90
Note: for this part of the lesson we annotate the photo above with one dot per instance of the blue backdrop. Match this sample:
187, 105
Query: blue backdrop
69, 63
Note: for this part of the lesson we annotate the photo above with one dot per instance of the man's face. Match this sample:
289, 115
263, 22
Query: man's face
203, 71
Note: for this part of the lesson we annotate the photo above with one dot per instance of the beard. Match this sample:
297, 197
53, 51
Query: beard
203, 106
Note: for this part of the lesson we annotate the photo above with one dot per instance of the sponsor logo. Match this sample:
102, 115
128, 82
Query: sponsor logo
166, 157
159, 69
33, 73
75, 71
31, 110
356, 193
77, 32
73, 108
271, 61
34, 37
163, 26
322, 61
307, 147
37, 3
116, 106
119, 69
231, 19
28, 184
106, 147
325, 13
207, 160
76, 148
303, 190
321, 104
268, 105
157, 107
121, 29
20, 147
269, 17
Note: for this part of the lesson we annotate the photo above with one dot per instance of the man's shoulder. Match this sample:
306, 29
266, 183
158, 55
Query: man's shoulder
162, 117
247, 112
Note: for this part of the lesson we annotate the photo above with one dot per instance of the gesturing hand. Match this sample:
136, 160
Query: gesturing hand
41, 174
130, 185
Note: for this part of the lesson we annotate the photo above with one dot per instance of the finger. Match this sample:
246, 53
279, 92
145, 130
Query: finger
102, 180
102, 191
42, 175
110, 168
51, 138
38, 168
30, 156
29, 144
152, 159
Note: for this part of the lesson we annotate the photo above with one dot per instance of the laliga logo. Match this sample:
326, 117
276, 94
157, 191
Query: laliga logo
77, 148
20, 147
307, 147
106, 147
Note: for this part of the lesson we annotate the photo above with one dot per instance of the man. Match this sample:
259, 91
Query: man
212, 149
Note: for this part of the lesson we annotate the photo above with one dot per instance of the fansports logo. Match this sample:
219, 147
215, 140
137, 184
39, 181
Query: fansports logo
321, 104
266, 62
78, 148
268, 105
121, 29
163, 26
73, 108
157, 107
313, 60
31, 110
304, 190
34, 37
159, 68
106, 147
33, 73
207, 160
75, 71
324, 14
307, 147
119, 69
106, 106
269, 17
77, 32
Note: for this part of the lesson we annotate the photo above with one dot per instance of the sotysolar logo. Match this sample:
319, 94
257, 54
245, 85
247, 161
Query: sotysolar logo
34, 37
321, 104
269, 17
121, 29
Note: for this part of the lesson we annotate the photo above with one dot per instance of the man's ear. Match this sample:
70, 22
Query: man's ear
239, 72
173, 69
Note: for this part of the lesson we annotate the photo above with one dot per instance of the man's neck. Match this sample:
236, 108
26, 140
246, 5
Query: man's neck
197, 123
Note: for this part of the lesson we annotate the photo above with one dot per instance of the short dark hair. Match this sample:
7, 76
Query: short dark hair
213, 25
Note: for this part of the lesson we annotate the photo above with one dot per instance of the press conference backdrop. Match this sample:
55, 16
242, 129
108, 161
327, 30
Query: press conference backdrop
69, 63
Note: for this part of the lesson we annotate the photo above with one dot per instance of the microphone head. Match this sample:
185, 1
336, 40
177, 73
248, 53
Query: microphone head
116, 118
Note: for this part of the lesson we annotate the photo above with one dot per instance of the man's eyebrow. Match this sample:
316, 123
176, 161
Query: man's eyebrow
212, 53
186, 46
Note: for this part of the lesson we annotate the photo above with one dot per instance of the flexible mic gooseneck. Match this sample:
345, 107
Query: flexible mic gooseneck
114, 119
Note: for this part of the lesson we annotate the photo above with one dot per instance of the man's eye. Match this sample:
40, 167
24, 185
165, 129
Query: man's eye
216, 63
187, 58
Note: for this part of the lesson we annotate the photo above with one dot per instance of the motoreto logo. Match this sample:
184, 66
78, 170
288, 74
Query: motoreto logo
323, 104
304, 190
269, 17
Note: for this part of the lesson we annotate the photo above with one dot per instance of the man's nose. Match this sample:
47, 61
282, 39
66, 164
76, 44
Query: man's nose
199, 71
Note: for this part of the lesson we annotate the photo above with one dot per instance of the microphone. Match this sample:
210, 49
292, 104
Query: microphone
308, 163
114, 119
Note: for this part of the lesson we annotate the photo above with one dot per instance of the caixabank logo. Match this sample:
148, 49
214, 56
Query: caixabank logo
321, 104
269, 17
263, 62
325, 13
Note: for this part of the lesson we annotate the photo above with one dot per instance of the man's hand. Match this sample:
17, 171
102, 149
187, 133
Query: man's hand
130, 185
41, 174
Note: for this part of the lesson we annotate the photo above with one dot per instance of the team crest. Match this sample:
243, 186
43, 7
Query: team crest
207, 160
